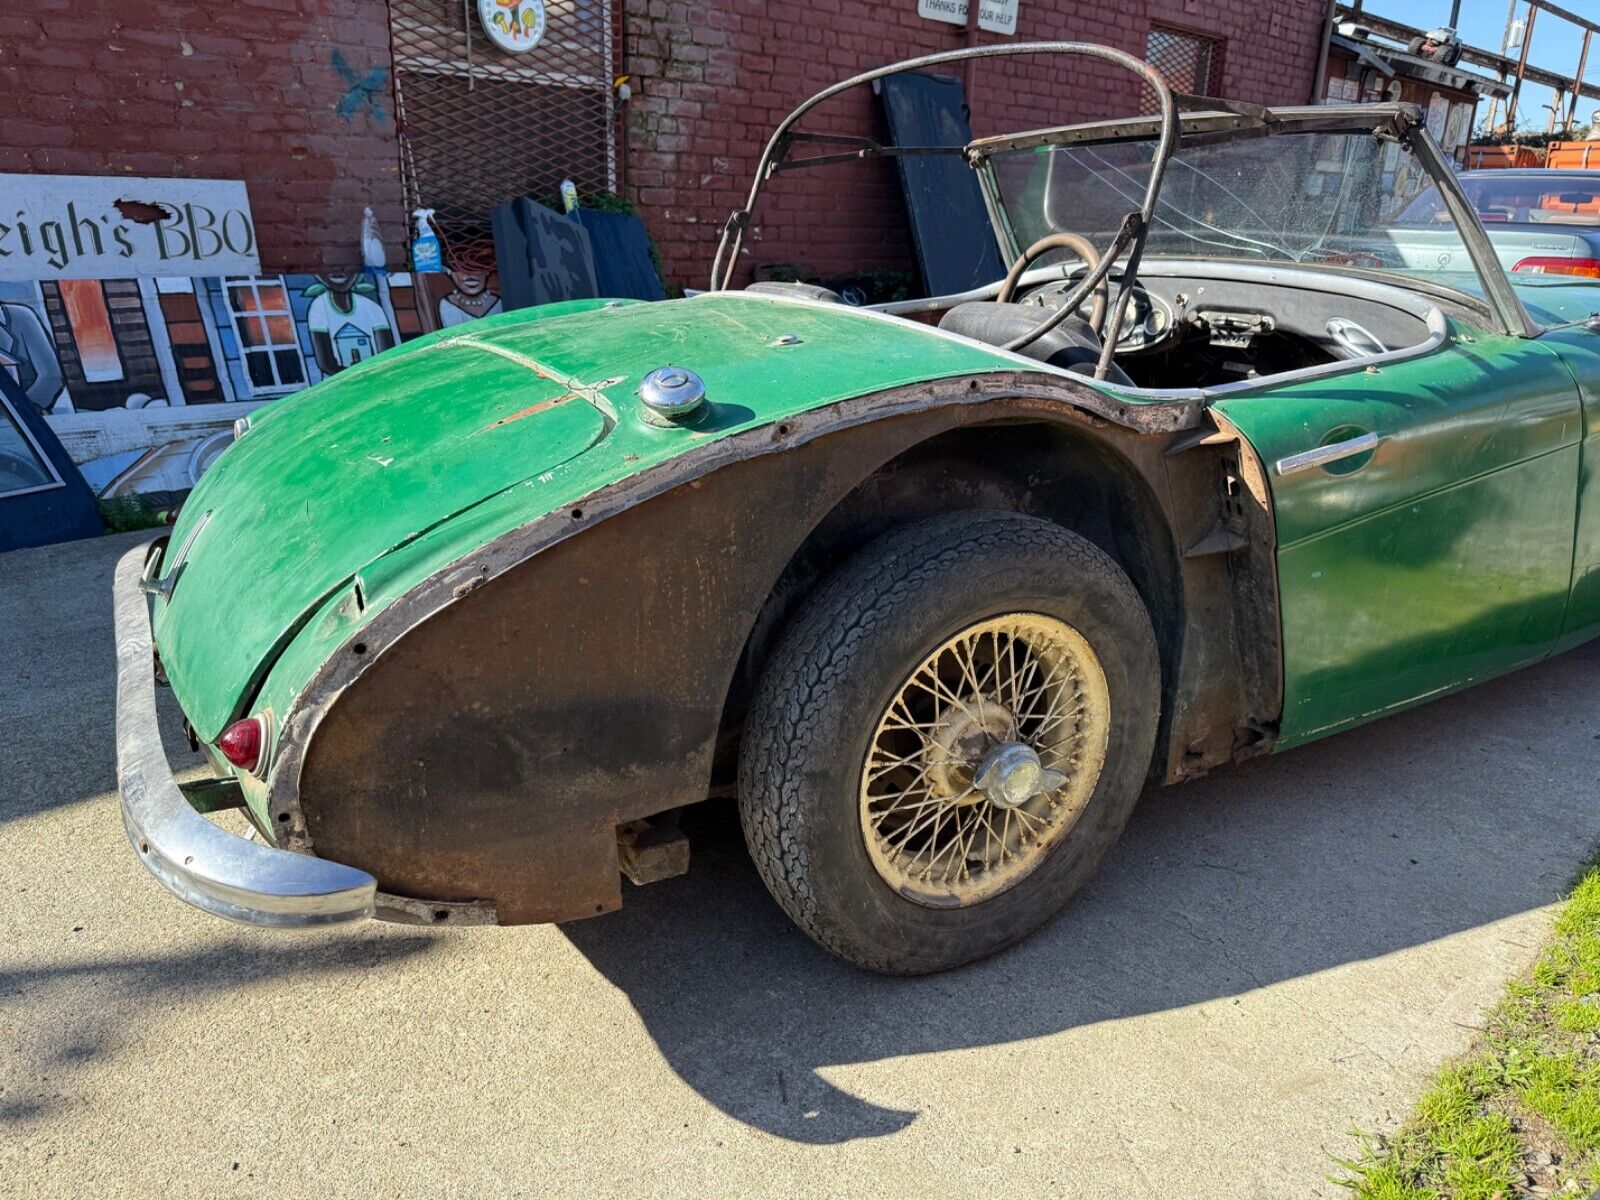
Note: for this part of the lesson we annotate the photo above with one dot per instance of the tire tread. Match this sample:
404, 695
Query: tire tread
817, 650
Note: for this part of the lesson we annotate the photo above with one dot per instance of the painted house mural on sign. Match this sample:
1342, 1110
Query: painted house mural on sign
142, 379
347, 325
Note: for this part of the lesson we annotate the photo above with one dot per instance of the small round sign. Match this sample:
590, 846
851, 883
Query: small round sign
513, 25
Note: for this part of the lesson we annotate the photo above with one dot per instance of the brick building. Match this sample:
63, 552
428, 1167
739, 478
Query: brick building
714, 78
297, 98
258, 90
325, 107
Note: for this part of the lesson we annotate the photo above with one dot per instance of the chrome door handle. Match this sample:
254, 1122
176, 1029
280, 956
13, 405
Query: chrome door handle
1321, 456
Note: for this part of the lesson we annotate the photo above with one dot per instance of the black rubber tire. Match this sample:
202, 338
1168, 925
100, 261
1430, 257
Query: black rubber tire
847, 651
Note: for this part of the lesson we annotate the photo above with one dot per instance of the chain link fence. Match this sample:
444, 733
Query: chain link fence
479, 125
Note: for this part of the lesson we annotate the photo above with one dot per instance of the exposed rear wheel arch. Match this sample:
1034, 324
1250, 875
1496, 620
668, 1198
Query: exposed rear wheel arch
1058, 472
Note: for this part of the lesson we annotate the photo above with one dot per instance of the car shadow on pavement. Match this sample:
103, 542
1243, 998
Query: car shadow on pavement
124, 987
1465, 811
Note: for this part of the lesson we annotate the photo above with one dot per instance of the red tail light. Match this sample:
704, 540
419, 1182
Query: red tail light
1589, 268
241, 742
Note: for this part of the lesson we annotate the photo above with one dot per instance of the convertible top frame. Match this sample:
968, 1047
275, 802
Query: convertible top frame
1129, 239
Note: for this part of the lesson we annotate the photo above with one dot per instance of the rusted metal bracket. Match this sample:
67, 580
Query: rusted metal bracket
1193, 439
1222, 538
649, 851
212, 795
1187, 102
409, 910
859, 148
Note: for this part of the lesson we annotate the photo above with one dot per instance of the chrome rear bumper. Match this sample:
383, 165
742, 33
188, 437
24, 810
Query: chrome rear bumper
197, 861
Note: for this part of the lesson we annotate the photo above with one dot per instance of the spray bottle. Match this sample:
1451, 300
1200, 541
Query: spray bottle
372, 254
425, 252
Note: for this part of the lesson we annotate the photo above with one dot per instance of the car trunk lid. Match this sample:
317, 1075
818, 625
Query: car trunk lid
330, 479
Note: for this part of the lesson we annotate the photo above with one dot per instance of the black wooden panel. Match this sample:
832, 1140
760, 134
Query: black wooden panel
949, 224
622, 263
541, 255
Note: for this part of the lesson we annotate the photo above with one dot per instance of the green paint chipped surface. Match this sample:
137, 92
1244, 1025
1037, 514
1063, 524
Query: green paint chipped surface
401, 465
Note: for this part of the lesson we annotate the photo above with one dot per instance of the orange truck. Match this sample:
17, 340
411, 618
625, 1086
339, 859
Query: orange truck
1574, 156
1499, 158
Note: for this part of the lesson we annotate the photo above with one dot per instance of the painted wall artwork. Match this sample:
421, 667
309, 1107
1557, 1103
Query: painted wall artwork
142, 379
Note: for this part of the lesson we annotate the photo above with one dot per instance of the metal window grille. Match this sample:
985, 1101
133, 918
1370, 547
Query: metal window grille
1189, 62
479, 125
265, 328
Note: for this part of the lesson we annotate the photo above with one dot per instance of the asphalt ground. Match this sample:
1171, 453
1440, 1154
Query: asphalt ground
1270, 957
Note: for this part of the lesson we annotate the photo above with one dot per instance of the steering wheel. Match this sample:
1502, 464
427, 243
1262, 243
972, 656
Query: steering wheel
1079, 245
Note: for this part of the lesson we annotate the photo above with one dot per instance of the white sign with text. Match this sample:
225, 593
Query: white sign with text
994, 16
109, 227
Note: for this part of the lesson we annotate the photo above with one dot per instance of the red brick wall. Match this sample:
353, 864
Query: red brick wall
712, 78
243, 90
250, 90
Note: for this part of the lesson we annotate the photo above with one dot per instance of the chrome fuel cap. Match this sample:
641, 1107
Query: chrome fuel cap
672, 393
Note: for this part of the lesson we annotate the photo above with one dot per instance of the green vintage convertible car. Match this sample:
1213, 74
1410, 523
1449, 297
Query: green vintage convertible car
935, 589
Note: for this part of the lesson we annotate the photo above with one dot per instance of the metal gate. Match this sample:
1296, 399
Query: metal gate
479, 125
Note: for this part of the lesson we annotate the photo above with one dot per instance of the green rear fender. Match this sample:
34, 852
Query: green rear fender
423, 454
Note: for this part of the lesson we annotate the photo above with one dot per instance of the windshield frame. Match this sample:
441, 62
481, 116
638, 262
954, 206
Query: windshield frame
1403, 122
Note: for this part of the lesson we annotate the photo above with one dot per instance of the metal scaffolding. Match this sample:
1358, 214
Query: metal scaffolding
1569, 89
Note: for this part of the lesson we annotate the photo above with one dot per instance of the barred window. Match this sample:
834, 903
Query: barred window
1189, 62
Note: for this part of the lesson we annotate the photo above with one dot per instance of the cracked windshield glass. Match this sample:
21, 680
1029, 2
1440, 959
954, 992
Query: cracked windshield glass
1342, 199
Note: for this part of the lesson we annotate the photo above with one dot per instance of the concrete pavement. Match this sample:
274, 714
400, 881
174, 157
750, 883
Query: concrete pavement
1270, 957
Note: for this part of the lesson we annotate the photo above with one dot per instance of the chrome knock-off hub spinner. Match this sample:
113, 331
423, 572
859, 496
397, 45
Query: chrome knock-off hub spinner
1011, 774
958, 744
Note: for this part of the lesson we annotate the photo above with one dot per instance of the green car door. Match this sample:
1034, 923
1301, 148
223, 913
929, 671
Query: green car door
1441, 552
1579, 348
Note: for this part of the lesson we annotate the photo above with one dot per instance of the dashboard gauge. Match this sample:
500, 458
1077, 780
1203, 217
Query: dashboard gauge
1148, 323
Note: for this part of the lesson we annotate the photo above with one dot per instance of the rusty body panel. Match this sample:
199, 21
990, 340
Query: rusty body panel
483, 742
490, 611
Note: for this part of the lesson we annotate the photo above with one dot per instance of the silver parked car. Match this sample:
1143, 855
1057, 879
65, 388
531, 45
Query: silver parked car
1540, 221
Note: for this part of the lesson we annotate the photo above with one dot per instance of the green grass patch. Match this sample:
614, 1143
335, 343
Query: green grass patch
1522, 1108
124, 514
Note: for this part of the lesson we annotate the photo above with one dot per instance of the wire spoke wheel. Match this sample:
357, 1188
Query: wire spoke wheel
984, 759
939, 783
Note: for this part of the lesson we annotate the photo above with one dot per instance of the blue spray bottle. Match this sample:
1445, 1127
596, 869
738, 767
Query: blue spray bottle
425, 252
